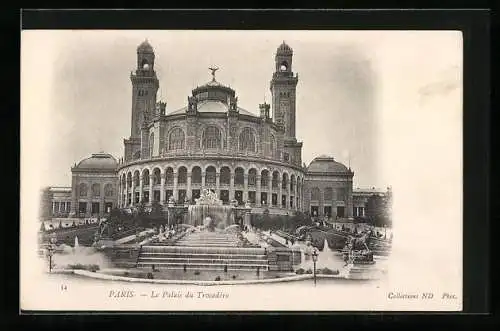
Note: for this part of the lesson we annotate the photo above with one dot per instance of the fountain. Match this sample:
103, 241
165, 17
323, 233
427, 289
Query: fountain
232, 228
76, 242
209, 206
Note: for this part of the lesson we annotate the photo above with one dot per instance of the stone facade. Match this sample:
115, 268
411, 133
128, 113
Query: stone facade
328, 188
93, 186
211, 143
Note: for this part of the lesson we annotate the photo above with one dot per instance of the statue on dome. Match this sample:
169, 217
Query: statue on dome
233, 102
213, 70
192, 104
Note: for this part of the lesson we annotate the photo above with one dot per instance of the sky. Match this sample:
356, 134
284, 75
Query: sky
353, 86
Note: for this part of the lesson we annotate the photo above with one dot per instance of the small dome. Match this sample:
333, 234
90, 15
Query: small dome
145, 47
284, 49
326, 164
100, 161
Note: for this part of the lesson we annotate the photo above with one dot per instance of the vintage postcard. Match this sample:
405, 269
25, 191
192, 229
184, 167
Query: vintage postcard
241, 170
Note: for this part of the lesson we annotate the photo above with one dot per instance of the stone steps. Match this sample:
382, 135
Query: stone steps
206, 245
205, 250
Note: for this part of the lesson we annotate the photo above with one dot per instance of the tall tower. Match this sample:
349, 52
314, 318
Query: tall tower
283, 86
144, 88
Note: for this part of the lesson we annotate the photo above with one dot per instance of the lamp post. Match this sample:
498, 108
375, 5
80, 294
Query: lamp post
385, 231
50, 251
314, 258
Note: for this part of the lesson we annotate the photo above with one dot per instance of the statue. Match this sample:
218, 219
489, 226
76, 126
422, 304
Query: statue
208, 197
233, 101
213, 70
192, 104
357, 251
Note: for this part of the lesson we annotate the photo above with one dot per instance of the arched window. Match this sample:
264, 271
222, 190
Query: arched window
156, 176
328, 194
284, 181
247, 140
275, 179
96, 190
211, 138
239, 176
252, 177
137, 155
210, 176
315, 194
182, 175
196, 175
108, 190
145, 177
83, 189
129, 179
264, 178
225, 176
283, 66
272, 146
176, 139
292, 183
169, 176
136, 178
151, 144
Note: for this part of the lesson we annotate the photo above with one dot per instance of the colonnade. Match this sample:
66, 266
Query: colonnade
264, 188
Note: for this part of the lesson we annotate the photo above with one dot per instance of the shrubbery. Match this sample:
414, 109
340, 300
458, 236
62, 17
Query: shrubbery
326, 271
88, 267
275, 222
300, 271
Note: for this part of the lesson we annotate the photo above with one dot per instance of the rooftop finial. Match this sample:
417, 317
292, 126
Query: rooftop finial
213, 70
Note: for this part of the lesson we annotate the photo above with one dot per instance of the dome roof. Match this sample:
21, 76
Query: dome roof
99, 161
145, 47
211, 106
326, 164
284, 49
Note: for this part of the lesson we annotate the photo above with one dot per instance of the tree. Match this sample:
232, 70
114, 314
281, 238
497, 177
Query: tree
378, 210
156, 209
298, 220
157, 215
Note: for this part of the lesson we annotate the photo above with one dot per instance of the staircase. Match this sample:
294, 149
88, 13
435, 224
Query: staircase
209, 239
204, 250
